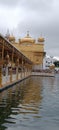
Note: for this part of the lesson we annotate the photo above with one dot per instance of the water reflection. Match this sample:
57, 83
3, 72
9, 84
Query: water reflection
30, 104
21, 99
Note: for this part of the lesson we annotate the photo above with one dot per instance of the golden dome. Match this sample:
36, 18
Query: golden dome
11, 38
27, 39
41, 39
52, 66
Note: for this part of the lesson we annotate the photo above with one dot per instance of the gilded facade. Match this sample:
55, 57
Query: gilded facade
32, 49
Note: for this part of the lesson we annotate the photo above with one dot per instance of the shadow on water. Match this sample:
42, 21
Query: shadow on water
30, 104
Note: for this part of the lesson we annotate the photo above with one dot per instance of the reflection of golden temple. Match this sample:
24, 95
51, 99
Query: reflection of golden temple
32, 93
25, 99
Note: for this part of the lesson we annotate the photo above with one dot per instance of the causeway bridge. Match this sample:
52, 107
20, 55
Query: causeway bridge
14, 66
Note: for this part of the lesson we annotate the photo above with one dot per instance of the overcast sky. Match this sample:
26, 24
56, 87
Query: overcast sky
40, 17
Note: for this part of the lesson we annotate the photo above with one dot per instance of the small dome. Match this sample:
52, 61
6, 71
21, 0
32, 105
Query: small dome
27, 39
11, 38
52, 66
41, 39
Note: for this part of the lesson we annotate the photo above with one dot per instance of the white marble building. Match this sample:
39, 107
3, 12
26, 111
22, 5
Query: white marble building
48, 61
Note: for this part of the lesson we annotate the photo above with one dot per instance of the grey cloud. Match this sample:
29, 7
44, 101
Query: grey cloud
28, 4
48, 29
40, 17
9, 3
37, 4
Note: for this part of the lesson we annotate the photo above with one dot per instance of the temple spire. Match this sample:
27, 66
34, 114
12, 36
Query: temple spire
27, 33
7, 34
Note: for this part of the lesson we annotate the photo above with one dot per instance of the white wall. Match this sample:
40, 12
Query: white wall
37, 67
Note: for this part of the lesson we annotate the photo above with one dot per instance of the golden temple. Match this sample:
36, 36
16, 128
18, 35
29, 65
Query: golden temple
32, 49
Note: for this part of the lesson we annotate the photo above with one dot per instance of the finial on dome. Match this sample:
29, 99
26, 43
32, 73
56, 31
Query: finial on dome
7, 34
41, 38
27, 33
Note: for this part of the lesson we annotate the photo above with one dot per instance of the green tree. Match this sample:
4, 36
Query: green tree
56, 63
